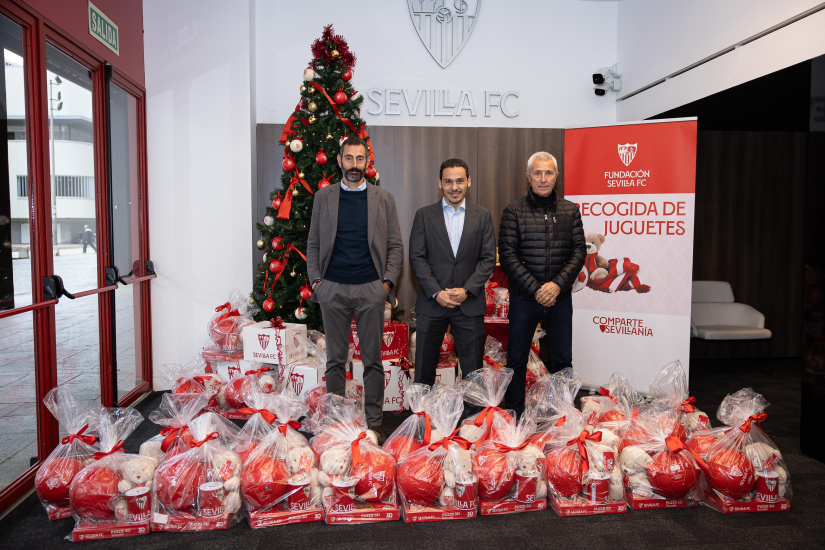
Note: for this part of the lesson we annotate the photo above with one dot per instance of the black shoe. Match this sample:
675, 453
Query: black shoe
380, 433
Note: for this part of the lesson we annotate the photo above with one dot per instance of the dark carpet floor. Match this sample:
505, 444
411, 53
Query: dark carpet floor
801, 527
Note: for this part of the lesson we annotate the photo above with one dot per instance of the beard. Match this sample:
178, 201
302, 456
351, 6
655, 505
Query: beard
354, 174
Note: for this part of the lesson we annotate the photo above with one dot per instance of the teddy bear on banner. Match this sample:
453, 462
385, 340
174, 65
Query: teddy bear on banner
606, 275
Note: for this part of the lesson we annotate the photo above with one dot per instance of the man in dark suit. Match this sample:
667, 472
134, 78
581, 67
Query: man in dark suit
354, 256
452, 253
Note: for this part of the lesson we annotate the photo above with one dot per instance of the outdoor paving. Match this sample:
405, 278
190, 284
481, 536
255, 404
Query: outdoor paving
78, 354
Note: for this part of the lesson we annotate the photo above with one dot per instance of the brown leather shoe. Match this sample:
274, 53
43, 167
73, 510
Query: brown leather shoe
380, 433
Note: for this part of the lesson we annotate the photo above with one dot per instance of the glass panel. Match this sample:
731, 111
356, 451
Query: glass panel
126, 236
72, 160
15, 246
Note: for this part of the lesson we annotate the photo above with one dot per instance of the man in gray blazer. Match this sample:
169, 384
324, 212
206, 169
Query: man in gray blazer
354, 256
452, 253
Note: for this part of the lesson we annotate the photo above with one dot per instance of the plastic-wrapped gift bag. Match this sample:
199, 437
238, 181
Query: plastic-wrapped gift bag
175, 412
417, 430
224, 328
485, 387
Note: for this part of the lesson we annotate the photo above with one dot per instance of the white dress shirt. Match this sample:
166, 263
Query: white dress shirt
361, 187
455, 223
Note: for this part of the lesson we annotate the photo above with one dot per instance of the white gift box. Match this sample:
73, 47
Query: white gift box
396, 381
300, 377
227, 365
277, 346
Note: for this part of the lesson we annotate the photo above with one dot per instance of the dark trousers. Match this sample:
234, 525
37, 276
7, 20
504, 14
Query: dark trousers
524, 317
468, 335
88, 243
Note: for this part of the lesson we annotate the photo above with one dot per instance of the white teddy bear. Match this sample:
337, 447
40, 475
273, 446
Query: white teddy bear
634, 460
471, 432
590, 406
137, 472
151, 448
616, 485
691, 421
458, 467
302, 459
640, 485
228, 462
335, 462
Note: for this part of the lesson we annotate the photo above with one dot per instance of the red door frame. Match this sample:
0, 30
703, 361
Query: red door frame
37, 31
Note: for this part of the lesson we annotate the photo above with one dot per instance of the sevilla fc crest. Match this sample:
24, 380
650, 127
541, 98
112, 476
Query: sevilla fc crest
444, 26
296, 381
627, 152
388, 338
387, 377
141, 502
263, 339
771, 484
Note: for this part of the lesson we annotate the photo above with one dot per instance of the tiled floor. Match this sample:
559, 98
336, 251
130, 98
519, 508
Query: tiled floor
78, 354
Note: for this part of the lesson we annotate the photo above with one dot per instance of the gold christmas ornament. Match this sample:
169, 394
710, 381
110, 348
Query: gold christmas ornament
312, 107
294, 192
301, 175
251, 301
312, 119
292, 274
311, 91
287, 143
329, 136
261, 244
335, 53
303, 89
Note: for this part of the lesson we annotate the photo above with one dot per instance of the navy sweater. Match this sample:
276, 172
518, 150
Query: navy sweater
351, 262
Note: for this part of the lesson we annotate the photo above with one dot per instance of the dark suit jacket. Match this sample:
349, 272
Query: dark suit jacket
435, 266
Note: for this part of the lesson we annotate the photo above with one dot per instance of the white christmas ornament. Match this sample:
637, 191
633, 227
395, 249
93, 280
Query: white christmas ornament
268, 221
296, 145
322, 344
309, 75
264, 256
377, 176
301, 313
355, 96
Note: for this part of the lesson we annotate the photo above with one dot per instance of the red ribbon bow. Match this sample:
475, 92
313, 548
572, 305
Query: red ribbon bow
116, 449
489, 361
676, 446
288, 131
356, 449
560, 421
605, 392
686, 405
452, 438
171, 433
361, 133
286, 202
277, 322
265, 414
257, 372
87, 439
584, 436
228, 313
210, 437
404, 364
349, 376
758, 418
506, 449
201, 379
534, 348
294, 424
427, 427
486, 415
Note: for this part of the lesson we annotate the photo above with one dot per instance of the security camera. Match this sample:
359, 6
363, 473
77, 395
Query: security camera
603, 74
602, 89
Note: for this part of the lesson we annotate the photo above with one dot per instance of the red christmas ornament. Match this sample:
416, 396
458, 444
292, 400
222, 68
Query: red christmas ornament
495, 474
305, 292
376, 475
276, 266
370, 173
447, 345
730, 473
264, 480
278, 243
233, 393
701, 443
420, 479
54, 478
288, 164
324, 182
611, 416
340, 97
401, 446
269, 305
276, 202
347, 76
177, 482
93, 492
564, 471
671, 475
321, 157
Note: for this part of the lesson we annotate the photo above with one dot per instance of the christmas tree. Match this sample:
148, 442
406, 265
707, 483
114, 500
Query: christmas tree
327, 112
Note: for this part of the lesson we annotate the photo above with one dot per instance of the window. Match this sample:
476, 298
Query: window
22, 186
75, 186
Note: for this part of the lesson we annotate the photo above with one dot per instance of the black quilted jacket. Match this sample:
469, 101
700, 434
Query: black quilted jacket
537, 246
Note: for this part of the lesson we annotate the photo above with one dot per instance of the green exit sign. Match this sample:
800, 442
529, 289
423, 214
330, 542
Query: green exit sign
102, 28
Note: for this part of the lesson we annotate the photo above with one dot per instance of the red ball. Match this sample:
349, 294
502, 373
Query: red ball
323, 183
376, 475
278, 243
269, 305
276, 202
313, 397
496, 474
633, 436
611, 416
730, 473
680, 432
321, 158
671, 475
288, 164
177, 482
246, 451
54, 478
276, 266
370, 172
264, 481
305, 292
188, 386
701, 443
420, 479
401, 446
347, 76
340, 97
232, 393
564, 474
447, 346
93, 492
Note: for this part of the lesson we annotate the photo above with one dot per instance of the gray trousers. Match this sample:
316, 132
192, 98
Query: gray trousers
339, 303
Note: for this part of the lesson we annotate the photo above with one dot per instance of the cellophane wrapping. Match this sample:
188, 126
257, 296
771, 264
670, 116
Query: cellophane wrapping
262, 375
485, 387
614, 402
535, 366
495, 356
670, 384
200, 489
99, 492
74, 452
353, 389
191, 377
175, 412
261, 408
224, 328
743, 463
417, 430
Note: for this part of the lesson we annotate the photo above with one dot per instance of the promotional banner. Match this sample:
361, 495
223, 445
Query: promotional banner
634, 185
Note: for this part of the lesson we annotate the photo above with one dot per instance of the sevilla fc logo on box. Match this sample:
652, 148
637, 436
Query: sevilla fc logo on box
387, 377
388, 338
263, 339
444, 26
627, 152
297, 382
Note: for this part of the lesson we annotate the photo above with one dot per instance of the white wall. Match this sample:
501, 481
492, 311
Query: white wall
544, 49
197, 56
657, 38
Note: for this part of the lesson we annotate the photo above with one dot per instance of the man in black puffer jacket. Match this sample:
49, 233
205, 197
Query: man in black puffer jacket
541, 249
